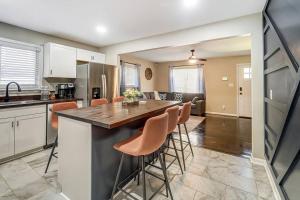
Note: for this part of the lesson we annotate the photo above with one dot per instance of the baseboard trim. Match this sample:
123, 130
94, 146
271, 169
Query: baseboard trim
224, 114
263, 162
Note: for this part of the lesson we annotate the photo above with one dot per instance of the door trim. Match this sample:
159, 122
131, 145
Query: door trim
237, 88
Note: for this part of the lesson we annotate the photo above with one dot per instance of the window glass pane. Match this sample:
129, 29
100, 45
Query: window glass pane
20, 64
186, 80
247, 73
130, 77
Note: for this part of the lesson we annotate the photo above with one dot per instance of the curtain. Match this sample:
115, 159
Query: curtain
188, 79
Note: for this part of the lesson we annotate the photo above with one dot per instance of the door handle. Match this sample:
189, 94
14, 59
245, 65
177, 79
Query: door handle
241, 89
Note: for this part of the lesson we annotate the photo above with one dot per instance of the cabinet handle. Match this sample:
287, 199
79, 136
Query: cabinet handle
51, 71
92, 57
12, 124
17, 123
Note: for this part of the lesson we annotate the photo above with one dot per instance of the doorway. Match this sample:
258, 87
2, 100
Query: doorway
244, 76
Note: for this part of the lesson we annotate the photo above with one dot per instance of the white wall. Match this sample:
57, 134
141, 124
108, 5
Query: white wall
29, 36
251, 24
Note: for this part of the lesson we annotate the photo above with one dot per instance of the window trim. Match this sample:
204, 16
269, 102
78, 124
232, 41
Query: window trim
195, 66
40, 59
123, 63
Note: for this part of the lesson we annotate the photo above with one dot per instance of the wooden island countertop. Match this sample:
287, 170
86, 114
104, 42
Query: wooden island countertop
115, 115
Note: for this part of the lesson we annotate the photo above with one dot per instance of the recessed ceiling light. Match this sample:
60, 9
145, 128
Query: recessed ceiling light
190, 3
101, 29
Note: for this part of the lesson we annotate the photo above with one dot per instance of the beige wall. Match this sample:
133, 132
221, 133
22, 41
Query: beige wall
146, 85
218, 93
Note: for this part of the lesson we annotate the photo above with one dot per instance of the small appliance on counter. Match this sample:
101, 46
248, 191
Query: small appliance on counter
44, 93
66, 90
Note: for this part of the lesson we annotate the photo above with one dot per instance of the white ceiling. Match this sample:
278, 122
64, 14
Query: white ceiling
234, 46
124, 19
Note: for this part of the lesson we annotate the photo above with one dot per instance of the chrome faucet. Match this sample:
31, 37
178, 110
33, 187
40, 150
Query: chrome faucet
6, 98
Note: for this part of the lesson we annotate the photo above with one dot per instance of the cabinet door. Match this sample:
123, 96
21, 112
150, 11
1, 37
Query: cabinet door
62, 61
98, 58
84, 55
7, 137
30, 132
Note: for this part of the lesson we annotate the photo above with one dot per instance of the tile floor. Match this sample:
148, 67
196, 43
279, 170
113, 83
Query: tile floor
210, 175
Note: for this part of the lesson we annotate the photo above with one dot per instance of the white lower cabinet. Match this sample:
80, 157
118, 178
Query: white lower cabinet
29, 132
22, 129
7, 137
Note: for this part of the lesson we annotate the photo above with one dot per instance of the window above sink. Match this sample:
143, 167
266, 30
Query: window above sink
20, 62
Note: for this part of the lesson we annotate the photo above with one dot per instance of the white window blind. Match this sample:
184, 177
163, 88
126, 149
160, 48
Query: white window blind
20, 62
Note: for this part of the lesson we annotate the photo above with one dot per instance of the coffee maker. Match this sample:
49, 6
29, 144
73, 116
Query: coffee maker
65, 90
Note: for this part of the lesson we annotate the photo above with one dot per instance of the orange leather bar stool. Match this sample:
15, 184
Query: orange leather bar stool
140, 145
118, 99
97, 102
173, 119
183, 118
54, 123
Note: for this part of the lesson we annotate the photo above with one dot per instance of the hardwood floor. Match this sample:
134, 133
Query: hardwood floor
225, 134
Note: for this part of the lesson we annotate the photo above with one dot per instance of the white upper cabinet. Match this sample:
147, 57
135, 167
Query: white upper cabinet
90, 56
59, 61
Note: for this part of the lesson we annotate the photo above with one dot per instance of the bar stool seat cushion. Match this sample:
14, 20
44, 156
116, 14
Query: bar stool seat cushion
130, 145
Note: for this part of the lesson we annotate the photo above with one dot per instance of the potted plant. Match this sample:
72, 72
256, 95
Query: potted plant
131, 96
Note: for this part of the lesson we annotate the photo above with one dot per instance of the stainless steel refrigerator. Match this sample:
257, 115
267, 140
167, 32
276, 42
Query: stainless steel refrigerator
95, 81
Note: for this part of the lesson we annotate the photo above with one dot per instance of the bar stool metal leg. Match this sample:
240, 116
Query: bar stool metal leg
188, 137
118, 177
52, 154
144, 177
181, 145
176, 152
163, 166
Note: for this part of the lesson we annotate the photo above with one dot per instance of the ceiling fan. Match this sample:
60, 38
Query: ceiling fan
193, 59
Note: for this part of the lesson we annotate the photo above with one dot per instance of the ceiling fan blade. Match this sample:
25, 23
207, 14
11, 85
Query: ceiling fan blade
202, 59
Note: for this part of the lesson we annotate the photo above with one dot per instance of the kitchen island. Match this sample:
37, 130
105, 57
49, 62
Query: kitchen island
87, 161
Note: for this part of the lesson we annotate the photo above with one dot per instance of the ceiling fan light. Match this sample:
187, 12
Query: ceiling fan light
192, 60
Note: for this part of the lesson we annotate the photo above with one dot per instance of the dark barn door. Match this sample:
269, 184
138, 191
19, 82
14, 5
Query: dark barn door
282, 91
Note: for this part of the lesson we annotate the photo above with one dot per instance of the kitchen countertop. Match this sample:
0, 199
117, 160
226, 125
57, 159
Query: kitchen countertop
115, 115
11, 104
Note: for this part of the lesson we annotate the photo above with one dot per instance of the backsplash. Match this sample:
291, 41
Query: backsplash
50, 82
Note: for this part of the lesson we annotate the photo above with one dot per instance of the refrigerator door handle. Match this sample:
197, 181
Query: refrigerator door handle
104, 89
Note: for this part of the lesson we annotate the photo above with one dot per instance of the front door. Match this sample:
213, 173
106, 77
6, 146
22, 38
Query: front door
244, 90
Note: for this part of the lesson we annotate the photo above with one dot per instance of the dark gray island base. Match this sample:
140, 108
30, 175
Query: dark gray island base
87, 161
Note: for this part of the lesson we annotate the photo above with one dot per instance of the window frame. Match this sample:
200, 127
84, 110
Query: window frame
171, 78
123, 85
39, 68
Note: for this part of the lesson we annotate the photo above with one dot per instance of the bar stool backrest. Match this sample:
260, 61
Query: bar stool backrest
185, 113
98, 102
59, 107
154, 134
173, 118
118, 99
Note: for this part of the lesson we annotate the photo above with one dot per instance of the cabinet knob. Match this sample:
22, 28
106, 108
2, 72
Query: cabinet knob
12, 124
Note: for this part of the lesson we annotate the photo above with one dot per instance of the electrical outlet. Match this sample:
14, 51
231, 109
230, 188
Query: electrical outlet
223, 107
